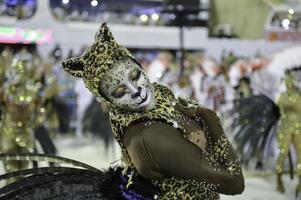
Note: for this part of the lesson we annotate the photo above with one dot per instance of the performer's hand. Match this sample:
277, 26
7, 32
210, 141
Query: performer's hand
183, 107
192, 110
209, 116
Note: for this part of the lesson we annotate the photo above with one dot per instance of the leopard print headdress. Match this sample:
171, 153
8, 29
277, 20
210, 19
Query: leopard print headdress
96, 60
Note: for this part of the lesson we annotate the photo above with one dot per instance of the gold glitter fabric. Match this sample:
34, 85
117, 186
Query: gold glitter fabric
289, 131
20, 97
97, 59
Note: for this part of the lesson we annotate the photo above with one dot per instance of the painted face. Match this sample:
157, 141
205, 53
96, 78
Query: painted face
127, 86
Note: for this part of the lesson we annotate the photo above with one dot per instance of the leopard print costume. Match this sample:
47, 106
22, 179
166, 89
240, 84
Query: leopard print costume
93, 65
172, 187
97, 60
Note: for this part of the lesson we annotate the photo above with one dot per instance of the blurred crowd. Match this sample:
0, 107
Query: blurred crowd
287, 22
133, 12
18, 9
87, 15
39, 100
212, 83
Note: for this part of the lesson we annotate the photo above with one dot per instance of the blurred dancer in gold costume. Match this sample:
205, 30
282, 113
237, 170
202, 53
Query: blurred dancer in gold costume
21, 107
289, 132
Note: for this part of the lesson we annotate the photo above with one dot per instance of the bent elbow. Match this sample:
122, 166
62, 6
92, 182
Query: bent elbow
237, 186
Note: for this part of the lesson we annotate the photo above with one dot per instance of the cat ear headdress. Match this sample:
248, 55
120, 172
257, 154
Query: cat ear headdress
97, 60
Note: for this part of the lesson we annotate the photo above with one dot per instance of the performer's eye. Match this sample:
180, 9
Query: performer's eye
135, 75
119, 92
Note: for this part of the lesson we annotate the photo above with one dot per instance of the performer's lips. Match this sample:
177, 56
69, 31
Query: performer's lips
143, 100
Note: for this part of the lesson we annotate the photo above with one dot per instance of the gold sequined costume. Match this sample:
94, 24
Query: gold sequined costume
289, 131
20, 101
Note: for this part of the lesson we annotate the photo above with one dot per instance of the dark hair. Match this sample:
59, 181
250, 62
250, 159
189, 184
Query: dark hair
294, 69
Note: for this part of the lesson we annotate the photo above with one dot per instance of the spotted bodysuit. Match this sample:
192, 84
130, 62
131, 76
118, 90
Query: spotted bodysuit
173, 187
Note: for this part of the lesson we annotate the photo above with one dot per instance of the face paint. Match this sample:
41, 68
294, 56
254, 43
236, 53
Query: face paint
127, 86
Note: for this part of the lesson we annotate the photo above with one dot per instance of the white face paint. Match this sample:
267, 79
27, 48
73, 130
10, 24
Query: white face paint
127, 86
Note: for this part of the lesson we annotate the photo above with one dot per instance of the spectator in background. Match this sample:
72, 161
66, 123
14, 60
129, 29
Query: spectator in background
262, 81
160, 70
197, 79
83, 100
239, 70
183, 87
